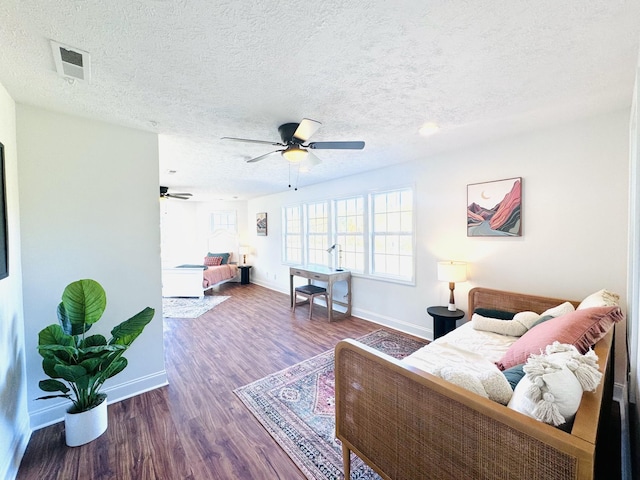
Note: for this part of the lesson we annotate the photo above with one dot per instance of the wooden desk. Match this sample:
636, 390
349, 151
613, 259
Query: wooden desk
323, 274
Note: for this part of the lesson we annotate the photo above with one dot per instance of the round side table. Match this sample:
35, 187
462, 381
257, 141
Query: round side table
444, 320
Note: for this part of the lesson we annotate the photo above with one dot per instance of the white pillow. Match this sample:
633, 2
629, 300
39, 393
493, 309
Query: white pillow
552, 387
559, 310
601, 298
490, 384
515, 328
555, 402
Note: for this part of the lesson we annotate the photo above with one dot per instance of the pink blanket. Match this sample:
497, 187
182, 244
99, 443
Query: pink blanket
220, 273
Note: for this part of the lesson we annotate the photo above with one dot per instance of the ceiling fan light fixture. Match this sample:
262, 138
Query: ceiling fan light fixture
294, 154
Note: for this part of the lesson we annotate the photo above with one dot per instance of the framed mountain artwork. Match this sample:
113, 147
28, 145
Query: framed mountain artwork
494, 209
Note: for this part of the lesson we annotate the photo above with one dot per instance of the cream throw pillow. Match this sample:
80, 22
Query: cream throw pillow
552, 387
515, 328
601, 298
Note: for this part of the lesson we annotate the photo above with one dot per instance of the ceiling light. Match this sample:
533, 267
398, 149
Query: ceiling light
294, 154
429, 128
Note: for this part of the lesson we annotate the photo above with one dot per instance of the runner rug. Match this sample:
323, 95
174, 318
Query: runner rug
296, 406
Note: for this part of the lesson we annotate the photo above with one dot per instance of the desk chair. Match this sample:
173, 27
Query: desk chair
310, 292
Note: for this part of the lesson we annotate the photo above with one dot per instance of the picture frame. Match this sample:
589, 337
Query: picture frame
494, 209
261, 224
4, 233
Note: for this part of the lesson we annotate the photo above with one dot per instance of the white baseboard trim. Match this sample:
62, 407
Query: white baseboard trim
46, 416
372, 317
396, 324
11, 463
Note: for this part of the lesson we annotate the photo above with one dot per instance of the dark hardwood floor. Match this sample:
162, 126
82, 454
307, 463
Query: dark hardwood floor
196, 428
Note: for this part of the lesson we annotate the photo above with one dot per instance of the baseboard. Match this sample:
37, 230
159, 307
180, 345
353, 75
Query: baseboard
11, 463
372, 317
410, 328
49, 415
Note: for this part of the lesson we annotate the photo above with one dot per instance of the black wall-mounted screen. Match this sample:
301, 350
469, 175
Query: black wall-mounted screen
4, 247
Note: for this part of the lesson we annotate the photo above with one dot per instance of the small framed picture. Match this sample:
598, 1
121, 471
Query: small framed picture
261, 224
494, 209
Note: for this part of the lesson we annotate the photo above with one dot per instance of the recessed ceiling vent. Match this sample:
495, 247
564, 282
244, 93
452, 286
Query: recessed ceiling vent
71, 63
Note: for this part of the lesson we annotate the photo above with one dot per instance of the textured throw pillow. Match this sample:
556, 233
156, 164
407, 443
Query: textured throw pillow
551, 389
562, 309
582, 328
601, 298
490, 384
518, 326
212, 261
225, 257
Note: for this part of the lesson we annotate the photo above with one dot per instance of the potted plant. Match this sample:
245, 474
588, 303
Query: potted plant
79, 364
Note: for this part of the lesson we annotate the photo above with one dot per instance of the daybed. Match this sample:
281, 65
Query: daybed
193, 280
408, 424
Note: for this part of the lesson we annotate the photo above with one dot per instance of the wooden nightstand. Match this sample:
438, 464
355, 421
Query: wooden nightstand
244, 274
444, 320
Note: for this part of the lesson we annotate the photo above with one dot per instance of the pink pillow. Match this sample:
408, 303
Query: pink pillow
212, 261
582, 328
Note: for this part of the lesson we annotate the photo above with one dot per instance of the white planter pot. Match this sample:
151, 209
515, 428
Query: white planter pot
84, 427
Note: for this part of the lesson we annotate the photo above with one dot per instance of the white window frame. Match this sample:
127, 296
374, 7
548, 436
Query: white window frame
220, 220
395, 235
317, 231
352, 243
293, 235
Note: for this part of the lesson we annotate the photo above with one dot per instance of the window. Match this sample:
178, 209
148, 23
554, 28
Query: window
317, 233
392, 234
223, 220
292, 235
375, 234
349, 233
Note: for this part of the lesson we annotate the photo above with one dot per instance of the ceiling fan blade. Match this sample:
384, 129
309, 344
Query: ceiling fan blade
306, 129
248, 140
182, 194
336, 145
309, 162
178, 195
257, 159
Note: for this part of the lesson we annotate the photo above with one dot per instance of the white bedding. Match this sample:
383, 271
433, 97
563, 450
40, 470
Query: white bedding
465, 348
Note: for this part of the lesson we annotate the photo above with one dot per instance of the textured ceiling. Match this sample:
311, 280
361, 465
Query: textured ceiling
197, 70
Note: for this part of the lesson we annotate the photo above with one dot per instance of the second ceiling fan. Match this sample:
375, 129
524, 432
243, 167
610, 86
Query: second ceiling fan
294, 149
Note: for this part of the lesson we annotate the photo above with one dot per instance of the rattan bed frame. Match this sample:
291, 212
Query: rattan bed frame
408, 424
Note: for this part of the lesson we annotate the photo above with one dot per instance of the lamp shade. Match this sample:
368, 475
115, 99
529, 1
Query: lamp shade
452, 272
294, 154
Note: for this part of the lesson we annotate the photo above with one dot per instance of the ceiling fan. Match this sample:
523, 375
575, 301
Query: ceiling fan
294, 149
164, 193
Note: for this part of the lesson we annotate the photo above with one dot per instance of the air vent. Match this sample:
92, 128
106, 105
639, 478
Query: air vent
71, 62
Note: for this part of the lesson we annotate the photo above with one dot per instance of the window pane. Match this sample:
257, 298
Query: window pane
392, 236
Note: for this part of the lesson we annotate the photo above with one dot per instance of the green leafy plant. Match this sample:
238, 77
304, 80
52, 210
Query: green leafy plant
84, 361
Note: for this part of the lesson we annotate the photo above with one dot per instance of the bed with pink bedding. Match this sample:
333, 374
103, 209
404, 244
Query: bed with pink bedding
193, 280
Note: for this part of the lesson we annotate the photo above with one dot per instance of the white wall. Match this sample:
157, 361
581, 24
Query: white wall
14, 418
89, 209
575, 183
186, 228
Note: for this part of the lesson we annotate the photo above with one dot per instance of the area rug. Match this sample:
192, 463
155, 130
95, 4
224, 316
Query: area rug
190, 307
296, 406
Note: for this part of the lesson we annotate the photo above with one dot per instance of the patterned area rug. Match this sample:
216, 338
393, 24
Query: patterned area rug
190, 307
295, 405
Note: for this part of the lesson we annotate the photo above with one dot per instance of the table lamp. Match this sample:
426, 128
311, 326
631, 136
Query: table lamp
452, 272
244, 251
331, 249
